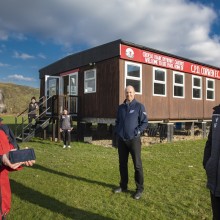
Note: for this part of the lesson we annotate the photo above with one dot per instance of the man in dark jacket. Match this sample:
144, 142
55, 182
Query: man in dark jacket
131, 121
211, 162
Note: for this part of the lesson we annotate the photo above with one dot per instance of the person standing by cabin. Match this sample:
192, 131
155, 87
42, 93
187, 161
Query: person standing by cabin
32, 110
66, 127
131, 121
211, 162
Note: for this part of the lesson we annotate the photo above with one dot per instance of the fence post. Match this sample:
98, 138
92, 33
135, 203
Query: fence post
16, 122
22, 128
193, 128
204, 129
170, 132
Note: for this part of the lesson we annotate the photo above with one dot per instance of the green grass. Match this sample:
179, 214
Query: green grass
77, 183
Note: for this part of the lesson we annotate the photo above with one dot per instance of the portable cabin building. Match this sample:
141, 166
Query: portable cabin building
172, 88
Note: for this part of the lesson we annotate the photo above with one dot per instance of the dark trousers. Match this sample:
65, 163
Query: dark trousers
215, 201
66, 137
31, 117
134, 148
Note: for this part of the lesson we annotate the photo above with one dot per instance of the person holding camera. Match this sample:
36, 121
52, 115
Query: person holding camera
7, 144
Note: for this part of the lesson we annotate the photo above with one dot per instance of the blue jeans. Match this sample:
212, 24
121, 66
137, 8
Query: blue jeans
134, 148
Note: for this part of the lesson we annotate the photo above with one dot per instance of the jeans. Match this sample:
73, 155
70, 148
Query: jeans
134, 148
66, 137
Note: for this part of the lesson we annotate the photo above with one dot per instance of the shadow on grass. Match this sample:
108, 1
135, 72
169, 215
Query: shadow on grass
47, 202
37, 166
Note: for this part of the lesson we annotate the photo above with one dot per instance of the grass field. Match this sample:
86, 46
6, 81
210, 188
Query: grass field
77, 183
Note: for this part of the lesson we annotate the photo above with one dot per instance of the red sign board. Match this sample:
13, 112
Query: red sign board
156, 59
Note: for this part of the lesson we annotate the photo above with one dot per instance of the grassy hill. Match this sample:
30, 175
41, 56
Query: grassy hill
17, 97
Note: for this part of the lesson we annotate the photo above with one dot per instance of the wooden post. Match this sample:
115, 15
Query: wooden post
45, 134
53, 131
204, 129
58, 130
170, 132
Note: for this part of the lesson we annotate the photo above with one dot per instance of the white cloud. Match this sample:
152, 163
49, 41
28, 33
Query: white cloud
3, 64
23, 56
21, 78
3, 35
180, 27
42, 56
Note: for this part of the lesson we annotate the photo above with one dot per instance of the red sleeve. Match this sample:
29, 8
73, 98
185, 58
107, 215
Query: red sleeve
4, 143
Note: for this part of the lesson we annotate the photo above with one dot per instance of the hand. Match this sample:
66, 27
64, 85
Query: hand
7, 162
61, 129
29, 163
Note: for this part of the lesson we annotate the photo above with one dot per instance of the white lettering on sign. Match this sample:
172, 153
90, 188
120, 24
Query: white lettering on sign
204, 71
163, 61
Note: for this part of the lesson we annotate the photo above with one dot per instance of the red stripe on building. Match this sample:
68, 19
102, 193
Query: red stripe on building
69, 72
156, 59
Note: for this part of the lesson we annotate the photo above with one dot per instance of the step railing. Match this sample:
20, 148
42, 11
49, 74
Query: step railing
21, 120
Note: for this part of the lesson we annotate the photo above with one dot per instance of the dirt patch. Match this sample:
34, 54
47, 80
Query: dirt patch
148, 141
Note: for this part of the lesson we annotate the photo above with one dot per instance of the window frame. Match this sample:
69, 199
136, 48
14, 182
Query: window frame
208, 89
160, 82
197, 87
94, 78
178, 84
132, 77
77, 85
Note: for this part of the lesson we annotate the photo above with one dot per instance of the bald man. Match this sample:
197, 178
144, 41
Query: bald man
131, 121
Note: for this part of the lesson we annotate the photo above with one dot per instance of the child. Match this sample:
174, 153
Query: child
66, 128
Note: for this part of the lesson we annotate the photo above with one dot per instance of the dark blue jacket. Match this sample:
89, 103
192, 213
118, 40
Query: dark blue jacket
131, 120
211, 159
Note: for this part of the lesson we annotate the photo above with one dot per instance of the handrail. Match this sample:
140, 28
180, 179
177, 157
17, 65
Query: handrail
21, 113
42, 113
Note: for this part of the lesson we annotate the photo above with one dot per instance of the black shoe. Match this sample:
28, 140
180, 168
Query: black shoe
137, 195
119, 190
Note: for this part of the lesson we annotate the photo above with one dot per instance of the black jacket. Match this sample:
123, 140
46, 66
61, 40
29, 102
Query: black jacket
131, 120
211, 159
10, 135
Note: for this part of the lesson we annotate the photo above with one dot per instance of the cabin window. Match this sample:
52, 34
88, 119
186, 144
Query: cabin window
159, 82
196, 87
90, 81
133, 76
73, 84
210, 89
178, 85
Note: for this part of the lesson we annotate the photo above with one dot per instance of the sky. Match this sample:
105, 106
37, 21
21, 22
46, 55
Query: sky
34, 34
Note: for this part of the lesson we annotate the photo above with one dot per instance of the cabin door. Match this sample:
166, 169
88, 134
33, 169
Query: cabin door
73, 91
52, 87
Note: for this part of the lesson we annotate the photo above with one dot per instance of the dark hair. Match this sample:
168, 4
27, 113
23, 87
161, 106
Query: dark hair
33, 98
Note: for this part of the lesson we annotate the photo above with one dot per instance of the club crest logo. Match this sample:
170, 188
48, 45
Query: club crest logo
129, 53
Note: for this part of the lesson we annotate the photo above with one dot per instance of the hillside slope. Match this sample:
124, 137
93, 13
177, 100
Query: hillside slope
17, 97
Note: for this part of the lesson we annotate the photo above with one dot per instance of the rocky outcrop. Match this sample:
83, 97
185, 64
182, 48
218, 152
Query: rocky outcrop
2, 103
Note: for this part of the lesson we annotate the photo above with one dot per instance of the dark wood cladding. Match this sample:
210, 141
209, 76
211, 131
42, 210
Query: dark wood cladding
170, 108
103, 103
